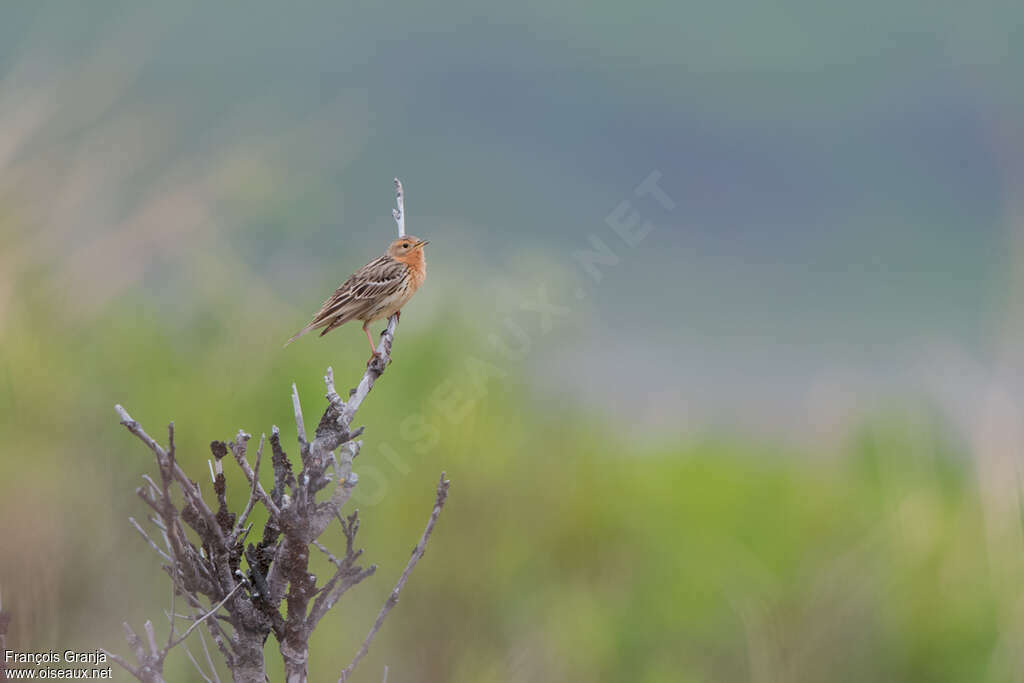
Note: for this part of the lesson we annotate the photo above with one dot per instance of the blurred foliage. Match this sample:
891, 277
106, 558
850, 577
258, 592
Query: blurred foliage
566, 552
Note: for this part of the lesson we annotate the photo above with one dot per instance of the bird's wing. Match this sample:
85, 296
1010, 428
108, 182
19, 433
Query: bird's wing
358, 295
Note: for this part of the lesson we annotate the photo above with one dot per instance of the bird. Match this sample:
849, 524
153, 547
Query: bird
376, 291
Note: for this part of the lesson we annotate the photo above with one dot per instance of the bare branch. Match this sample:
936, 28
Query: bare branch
188, 487
284, 478
252, 493
220, 638
138, 431
154, 490
170, 617
417, 553
195, 664
151, 637
209, 659
399, 211
343, 579
347, 574
373, 371
239, 453
332, 393
320, 546
150, 665
154, 546
123, 663
300, 424
201, 619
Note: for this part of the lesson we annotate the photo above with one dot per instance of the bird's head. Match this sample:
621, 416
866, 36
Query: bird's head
407, 249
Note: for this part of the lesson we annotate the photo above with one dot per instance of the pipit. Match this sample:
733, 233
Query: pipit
376, 291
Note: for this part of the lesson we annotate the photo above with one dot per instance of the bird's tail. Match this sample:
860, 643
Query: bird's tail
298, 334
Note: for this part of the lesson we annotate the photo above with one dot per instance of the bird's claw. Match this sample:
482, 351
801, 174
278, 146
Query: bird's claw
378, 359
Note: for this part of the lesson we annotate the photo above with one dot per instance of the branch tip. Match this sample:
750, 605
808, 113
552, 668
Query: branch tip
399, 211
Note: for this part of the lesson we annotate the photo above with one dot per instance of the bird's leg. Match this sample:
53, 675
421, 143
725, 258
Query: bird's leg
398, 315
369, 338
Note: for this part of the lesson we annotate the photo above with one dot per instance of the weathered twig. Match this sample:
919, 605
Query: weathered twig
149, 668
399, 211
346, 576
209, 659
213, 610
330, 556
251, 475
417, 553
255, 483
152, 544
195, 665
189, 488
300, 425
373, 371
123, 663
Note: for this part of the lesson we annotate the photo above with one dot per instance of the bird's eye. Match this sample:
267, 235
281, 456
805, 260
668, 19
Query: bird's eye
405, 245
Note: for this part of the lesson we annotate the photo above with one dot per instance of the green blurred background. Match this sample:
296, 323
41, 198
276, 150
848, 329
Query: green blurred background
778, 439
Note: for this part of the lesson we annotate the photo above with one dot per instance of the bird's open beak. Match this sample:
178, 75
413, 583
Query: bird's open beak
422, 243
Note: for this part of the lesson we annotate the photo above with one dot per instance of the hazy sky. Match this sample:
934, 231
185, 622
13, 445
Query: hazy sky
843, 177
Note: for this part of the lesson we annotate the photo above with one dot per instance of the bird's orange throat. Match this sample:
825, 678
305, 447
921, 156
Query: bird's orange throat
417, 263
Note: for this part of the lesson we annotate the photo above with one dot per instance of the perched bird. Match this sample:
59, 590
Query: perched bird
376, 291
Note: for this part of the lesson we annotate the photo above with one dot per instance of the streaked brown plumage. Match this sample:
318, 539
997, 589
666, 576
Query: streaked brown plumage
376, 291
